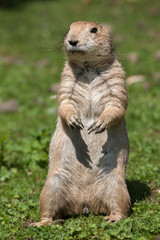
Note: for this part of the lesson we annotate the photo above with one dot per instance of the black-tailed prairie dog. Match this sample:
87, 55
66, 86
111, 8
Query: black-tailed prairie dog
89, 149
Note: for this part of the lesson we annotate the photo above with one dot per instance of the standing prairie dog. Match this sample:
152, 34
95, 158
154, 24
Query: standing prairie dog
89, 149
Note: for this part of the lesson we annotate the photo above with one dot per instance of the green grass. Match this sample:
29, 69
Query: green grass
31, 60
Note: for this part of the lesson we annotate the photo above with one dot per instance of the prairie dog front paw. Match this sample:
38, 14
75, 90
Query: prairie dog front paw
75, 122
98, 126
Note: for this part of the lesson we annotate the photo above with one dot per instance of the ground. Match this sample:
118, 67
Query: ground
31, 61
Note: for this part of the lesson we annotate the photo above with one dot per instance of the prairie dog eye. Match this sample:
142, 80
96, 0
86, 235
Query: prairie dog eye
94, 30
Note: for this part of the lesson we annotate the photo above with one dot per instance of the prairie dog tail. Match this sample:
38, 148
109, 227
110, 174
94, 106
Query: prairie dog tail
85, 211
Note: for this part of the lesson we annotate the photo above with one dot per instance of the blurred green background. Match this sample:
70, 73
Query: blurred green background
31, 62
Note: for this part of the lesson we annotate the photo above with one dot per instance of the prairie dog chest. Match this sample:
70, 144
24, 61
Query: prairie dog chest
90, 91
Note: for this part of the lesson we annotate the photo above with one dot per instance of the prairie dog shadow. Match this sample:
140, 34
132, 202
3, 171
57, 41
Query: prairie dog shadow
138, 190
81, 148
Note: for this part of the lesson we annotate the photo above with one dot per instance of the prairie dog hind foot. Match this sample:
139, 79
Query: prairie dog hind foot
113, 218
44, 222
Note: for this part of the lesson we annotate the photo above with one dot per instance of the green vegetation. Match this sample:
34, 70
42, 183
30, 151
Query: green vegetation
31, 60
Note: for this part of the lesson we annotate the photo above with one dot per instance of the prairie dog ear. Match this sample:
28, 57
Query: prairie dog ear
109, 30
108, 27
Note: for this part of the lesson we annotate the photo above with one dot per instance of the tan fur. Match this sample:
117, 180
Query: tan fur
89, 149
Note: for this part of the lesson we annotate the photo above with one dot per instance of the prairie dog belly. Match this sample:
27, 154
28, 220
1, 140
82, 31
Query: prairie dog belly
94, 151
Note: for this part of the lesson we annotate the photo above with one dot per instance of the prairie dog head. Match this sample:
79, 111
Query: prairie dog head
88, 41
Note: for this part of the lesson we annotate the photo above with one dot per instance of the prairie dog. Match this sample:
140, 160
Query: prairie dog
89, 149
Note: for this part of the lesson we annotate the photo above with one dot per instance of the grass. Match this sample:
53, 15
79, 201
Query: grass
31, 60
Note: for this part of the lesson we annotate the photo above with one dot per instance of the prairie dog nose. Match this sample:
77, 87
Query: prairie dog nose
73, 42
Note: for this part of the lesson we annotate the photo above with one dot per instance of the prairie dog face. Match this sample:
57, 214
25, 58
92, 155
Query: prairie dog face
87, 41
